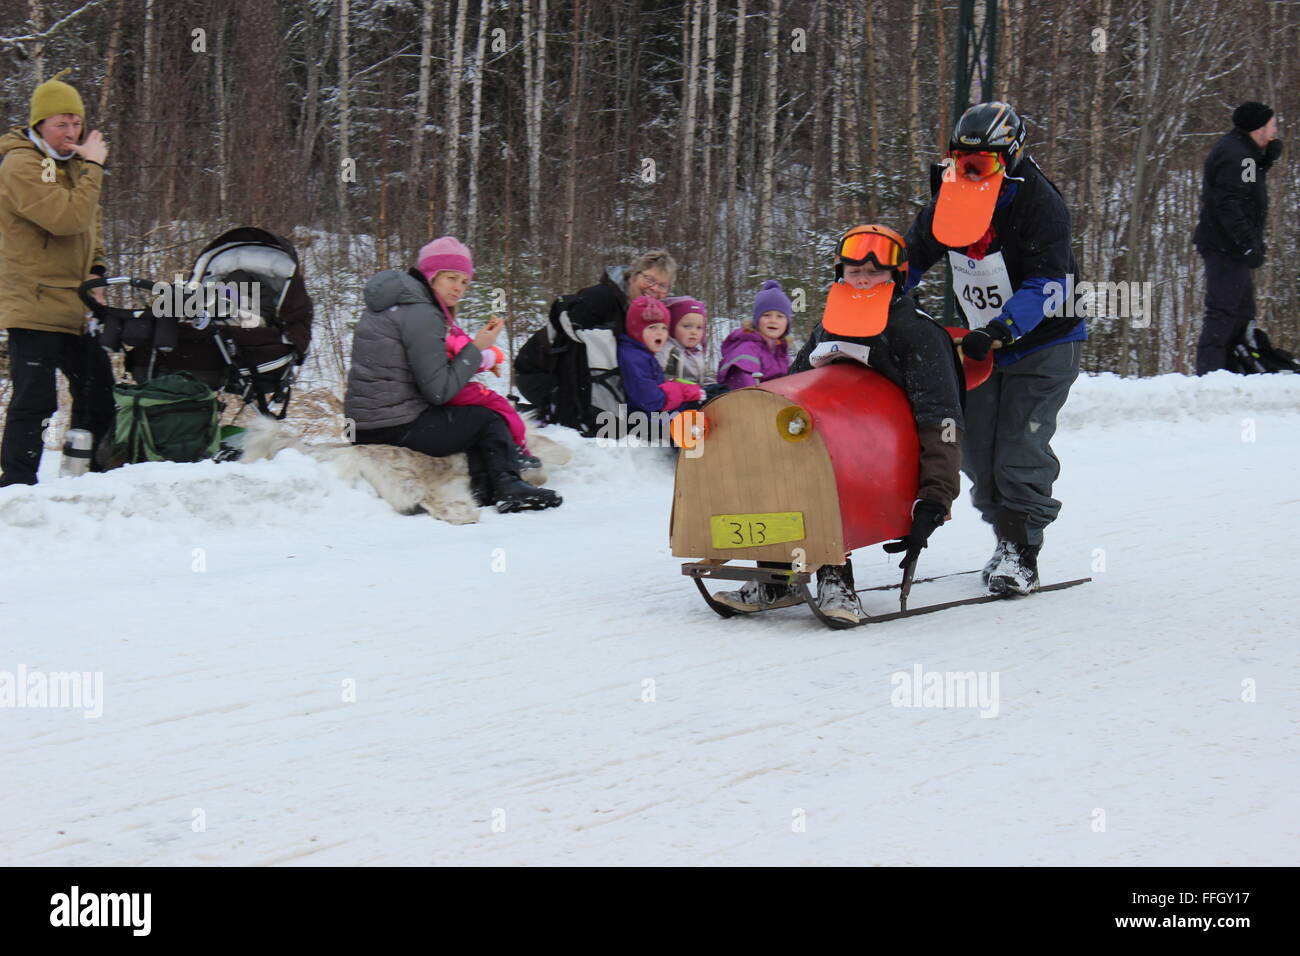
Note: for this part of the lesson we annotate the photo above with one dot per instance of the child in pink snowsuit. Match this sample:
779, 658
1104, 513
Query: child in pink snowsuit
450, 256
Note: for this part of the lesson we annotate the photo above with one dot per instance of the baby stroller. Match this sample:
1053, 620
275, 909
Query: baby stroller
240, 324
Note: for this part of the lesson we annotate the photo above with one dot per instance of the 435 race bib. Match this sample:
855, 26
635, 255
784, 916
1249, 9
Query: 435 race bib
982, 286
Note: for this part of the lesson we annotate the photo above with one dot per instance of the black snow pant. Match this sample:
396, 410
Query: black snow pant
1229, 305
1006, 448
443, 430
34, 358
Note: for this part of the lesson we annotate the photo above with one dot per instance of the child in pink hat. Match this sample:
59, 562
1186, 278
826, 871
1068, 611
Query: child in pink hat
683, 357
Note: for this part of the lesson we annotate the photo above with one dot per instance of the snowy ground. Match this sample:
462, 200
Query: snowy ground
547, 688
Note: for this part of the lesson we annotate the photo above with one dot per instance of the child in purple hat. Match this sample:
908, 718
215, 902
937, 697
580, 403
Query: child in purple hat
759, 350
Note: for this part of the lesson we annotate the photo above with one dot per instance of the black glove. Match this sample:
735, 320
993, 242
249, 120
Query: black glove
1272, 151
926, 516
1255, 257
976, 344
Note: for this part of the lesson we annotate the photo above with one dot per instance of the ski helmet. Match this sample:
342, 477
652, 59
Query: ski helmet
878, 244
990, 127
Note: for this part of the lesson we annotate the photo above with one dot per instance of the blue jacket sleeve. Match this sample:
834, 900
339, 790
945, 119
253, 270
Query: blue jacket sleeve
1024, 310
639, 381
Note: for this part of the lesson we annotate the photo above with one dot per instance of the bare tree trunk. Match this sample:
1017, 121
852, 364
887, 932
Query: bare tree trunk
422, 94
945, 96
455, 79
769, 139
476, 125
535, 129
114, 40
733, 152
688, 119
839, 76
710, 80
854, 168
1137, 216
914, 95
1097, 125
345, 115
873, 160
36, 17
575, 112
223, 115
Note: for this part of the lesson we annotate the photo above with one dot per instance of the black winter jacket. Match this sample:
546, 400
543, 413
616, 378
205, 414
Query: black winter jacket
1234, 197
1032, 232
916, 354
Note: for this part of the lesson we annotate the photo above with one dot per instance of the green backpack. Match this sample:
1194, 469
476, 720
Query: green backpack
170, 418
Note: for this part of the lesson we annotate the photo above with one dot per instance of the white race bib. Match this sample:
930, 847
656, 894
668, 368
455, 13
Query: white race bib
828, 352
982, 286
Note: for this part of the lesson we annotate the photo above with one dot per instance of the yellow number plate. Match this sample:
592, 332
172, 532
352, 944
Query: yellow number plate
753, 531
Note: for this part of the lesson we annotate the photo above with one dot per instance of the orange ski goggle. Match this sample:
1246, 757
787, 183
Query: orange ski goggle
858, 247
983, 164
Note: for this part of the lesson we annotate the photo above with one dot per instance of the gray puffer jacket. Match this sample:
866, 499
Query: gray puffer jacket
399, 354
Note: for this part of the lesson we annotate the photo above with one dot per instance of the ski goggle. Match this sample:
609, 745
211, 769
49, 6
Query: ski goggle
982, 164
857, 247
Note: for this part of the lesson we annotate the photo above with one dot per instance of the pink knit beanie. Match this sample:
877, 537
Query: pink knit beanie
445, 253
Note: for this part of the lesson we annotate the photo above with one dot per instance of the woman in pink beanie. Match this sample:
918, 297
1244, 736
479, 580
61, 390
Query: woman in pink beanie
410, 379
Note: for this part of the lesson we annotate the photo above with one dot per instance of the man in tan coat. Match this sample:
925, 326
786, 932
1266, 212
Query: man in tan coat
50, 242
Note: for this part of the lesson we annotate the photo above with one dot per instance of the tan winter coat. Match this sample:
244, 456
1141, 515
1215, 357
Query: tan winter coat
50, 237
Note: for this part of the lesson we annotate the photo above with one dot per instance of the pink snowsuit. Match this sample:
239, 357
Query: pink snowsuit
476, 393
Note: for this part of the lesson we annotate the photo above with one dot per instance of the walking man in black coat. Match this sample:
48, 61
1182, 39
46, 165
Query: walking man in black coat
1230, 233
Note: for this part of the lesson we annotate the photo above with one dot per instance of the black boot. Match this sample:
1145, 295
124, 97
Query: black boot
480, 486
526, 462
1017, 573
991, 565
515, 494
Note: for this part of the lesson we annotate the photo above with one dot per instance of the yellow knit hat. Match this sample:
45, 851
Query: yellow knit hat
54, 97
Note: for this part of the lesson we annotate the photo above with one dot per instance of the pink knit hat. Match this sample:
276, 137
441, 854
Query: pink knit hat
644, 311
681, 305
445, 253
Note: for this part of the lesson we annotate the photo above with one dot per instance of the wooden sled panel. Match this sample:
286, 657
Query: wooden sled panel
746, 467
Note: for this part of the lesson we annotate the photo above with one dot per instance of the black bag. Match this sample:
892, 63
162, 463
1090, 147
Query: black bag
568, 370
1253, 353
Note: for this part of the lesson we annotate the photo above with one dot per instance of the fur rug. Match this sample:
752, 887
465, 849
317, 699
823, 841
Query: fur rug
409, 481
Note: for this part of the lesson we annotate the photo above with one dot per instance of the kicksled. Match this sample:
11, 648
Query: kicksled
802, 581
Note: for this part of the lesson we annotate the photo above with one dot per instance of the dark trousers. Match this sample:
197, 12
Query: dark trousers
1229, 305
1006, 448
34, 357
443, 430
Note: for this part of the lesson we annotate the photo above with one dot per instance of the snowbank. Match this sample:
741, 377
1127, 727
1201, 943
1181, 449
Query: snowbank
1106, 399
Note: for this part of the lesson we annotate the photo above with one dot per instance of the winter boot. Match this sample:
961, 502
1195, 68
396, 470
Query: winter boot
991, 565
525, 462
835, 595
515, 494
480, 486
1017, 573
754, 596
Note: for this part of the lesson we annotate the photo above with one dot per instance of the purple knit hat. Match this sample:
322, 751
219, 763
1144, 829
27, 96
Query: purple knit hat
643, 312
771, 298
445, 253
680, 305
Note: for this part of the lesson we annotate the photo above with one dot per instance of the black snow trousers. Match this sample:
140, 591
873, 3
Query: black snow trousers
34, 358
1229, 305
443, 430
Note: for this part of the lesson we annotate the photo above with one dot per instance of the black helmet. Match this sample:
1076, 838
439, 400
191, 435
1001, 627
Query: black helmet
991, 127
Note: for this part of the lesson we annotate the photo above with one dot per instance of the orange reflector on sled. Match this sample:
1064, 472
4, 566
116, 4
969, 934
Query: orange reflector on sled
752, 531
689, 428
794, 423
